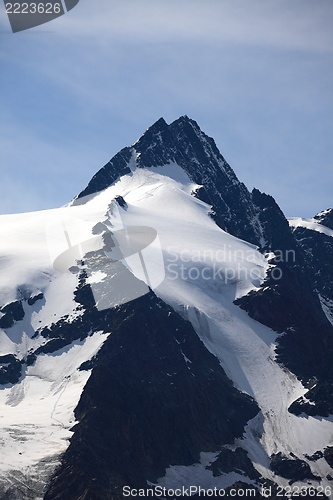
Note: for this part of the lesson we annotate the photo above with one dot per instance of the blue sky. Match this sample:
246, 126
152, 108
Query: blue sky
255, 74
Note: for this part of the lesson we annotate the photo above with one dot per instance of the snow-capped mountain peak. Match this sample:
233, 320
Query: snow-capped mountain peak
170, 324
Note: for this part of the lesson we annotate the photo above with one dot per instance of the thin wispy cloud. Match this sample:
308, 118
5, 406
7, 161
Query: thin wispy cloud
300, 24
257, 76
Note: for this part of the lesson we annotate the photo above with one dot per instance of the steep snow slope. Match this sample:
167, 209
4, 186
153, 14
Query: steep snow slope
206, 269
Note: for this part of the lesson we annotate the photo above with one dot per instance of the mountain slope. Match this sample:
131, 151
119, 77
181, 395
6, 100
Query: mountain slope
121, 330
135, 405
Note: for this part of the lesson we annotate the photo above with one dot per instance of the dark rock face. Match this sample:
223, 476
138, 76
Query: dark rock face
63, 333
306, 343
325, 218
183, 142
233, 461
156, 397
318, 250
275, 227
32, 300
328, 455
316, 456
288, 303
114, 169
10, 313
121, 202
10, 365
10, 369
294, 469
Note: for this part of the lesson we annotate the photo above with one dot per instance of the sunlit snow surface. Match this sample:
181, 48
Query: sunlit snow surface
310, 224
315, 225
205, 270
